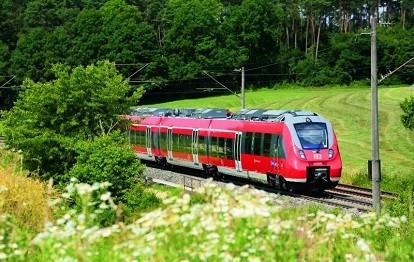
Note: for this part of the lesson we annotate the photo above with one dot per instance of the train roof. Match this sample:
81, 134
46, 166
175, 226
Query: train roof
266, 115
249, 114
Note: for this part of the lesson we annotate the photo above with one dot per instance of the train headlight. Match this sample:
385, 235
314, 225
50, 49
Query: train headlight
302, 154
331, 153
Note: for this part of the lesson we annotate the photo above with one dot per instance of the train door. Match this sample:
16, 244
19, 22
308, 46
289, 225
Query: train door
169, 143
194, 146
276, 145
237, 151
148, 141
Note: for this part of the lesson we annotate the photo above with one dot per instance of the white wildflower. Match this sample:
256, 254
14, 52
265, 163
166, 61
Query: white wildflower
363, 245
3, 188
106, 232
105, 196
370, 257
84, 188
13, 245
17, 252
103, 206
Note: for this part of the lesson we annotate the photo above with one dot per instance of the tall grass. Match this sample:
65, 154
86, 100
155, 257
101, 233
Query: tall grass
27, 199
232, 224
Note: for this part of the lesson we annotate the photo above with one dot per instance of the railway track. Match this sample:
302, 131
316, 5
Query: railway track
359, 191
344, 196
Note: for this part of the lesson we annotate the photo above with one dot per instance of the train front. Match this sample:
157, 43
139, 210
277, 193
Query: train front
316, 161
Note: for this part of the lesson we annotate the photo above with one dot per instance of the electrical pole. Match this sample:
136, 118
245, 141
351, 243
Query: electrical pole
375, 164
242, 89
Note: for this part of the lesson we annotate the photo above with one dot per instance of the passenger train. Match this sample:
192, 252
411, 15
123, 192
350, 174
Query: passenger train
288, 149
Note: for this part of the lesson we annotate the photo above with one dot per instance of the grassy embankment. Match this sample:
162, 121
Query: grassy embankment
349, 110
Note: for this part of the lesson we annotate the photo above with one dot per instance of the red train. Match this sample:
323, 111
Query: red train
290, 149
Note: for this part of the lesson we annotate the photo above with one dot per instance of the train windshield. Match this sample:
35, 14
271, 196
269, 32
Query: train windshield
312, 135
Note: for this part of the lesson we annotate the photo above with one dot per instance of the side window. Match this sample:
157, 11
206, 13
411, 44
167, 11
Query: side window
155, 140
257, 143
247, 145
266, 144
175, 142
163, 141
202, 150
214, 148
221, 146
279, 147
187, 139
229, 148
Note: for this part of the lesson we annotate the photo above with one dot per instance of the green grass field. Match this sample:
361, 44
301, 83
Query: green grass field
349, 110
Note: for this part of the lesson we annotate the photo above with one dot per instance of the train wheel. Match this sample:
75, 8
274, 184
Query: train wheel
162, 161
283, 185
216, 174
271, 180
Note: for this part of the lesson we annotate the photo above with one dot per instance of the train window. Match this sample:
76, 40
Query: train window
228, 148
163, 141
155, 143
281, 148
277, 146
266, 144
208, 145
138, 138
247, 143
202, 149
187, 143
142, 138
312, 135
257, 143
135, 135
176, 142
214, 146
221, 146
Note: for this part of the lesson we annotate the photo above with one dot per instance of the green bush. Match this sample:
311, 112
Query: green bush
137, 201
109, 159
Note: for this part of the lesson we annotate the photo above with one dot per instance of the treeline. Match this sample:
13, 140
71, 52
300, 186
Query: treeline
171, 46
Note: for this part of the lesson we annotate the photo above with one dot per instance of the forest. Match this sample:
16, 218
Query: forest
175, 47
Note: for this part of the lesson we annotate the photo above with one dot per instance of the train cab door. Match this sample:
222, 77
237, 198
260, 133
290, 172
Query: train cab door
148, 141
194, 146
237, 151
169, 143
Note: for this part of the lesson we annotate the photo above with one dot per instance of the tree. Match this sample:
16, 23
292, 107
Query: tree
116, 32
407, 118
36, 52
191, 39
11, 21
80, 104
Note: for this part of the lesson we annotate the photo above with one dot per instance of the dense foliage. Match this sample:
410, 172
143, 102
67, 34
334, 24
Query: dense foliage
105, 160
56, 123
170, 43
407, 118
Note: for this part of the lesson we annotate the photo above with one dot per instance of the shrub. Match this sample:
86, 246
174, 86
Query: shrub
108, 159
137, 200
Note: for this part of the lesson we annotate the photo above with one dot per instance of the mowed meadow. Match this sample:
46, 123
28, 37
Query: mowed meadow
349, 110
